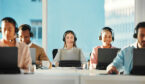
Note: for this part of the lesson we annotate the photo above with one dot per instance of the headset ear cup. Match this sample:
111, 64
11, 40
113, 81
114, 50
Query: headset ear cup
75, 39
113, 38
134, 35
31, 34
100, 37
16, 30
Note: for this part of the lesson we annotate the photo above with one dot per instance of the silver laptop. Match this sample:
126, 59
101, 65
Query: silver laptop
33, 55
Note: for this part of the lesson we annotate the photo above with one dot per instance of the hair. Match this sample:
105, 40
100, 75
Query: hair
75, 38
25, 27
139, 25
12, 21
107, 29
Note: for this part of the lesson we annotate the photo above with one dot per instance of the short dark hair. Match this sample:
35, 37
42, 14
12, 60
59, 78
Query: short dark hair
24, 27
139, 25
11, 20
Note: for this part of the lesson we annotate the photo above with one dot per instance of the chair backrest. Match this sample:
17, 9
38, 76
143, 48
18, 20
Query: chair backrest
54, 52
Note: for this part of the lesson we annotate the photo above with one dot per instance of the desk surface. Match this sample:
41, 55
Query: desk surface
69, 76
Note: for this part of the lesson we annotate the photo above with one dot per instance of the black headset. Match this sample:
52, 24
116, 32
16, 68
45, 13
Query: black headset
24, 27
11, 20
141, 24
108, 29
69, 31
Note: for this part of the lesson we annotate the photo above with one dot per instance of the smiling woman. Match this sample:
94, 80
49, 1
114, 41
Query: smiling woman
70, 50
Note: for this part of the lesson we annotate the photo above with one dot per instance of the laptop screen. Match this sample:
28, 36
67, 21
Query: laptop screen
106, 56
138, 61
8, 57
33, 55
139, 57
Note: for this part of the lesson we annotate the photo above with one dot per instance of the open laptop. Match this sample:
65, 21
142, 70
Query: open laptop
138, 61
9, 60
106, 56
33, 55
69, 63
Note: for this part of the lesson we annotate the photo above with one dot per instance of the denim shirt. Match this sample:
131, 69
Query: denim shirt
124, 59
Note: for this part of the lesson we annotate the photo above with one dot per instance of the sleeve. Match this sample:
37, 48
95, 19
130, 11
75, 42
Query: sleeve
118, 62
94, 58
83, 59
57, 57
43, 55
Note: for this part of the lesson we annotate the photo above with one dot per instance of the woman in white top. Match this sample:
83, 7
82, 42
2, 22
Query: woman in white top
70, 50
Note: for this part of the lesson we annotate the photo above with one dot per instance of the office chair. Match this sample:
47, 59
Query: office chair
54, 52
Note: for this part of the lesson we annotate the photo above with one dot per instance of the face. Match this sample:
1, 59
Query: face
8, 31
69, 38
141, 37
24, 36
106, 38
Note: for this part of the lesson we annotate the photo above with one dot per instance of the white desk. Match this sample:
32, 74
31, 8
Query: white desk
112, 79
54, 76
70, 76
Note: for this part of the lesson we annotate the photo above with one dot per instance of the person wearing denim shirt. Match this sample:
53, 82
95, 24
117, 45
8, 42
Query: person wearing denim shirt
124, 59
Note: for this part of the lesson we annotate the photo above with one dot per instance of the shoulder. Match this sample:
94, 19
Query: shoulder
113, 47
96, 48
79, 49
21, 45
35, 46
127, 48
61, 49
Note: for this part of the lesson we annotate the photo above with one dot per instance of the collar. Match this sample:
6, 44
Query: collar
30, 44
135, 45
102, 46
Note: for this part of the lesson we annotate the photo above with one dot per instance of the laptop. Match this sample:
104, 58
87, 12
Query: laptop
69, 63
105, 57
33, 55
138, 61
9, 60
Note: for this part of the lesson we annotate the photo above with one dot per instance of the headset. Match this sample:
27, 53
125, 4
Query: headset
108, 29
69, 31
141, 24
24, 27
11, 20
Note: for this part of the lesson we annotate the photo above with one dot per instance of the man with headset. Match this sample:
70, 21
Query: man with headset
124, 59
24, 36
